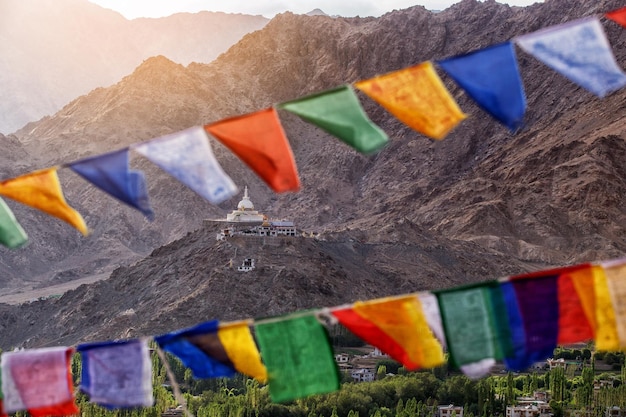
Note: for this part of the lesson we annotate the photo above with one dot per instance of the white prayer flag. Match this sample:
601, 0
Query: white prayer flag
188, 157
580, 51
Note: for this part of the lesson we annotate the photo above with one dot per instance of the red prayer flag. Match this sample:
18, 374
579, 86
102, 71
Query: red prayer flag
258, 139
618, 16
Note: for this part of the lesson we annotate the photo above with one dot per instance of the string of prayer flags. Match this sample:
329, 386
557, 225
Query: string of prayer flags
11, 233
117, 374
38, 380
188, 157
618, 16
42, 190
398, 327
474, 320
580, 51
212, 351
298, 357
610, 287
259, 140
111, 173
417, 97
339, 112
491, 77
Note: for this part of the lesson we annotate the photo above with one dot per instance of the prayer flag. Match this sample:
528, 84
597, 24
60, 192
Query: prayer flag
117, 374
610, 286
430, 307
42, 190
417, 97
551, 312
491, 77
38, 380
516, 359
475, 325
187, 156
11, 233
298, 357
259, 140
618, 16
396, 326
339, 112
212, 351
574, 324
110, 172
580, 51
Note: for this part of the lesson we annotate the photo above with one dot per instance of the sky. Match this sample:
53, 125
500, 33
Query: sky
132, 9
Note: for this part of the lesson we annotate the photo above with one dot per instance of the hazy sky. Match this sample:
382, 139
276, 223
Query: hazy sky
157, 8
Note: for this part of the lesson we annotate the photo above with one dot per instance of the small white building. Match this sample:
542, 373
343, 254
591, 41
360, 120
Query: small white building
538, 409
615, 411
246, 266
342, 358
363, 375
450, 411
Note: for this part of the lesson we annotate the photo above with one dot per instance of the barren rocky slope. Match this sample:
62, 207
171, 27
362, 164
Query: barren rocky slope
481, 204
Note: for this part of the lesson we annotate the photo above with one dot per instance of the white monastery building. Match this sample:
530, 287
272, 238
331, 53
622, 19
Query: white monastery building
246, 221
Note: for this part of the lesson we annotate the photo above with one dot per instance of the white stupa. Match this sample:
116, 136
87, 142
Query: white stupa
245, 212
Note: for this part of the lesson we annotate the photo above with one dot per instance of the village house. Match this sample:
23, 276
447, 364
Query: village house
450, 411
363, 375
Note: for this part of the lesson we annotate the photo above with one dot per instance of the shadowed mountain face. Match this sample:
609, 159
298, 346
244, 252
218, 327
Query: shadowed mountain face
55, 50
481, 204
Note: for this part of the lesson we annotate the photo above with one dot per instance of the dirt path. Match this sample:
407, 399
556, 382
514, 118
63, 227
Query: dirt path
33, 294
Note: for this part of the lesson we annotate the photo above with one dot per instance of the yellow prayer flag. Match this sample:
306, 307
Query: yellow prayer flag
242, 351
403, 320
417, 97
42, 190
615, 273
606, 330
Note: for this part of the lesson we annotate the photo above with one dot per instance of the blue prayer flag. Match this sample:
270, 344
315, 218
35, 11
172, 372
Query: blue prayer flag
199, 349
491, 77
110, 172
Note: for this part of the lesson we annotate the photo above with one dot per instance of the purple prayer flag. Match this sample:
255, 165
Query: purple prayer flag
117, 374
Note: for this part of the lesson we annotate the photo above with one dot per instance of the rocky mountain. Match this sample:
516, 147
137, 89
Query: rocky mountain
55, 50
420, 214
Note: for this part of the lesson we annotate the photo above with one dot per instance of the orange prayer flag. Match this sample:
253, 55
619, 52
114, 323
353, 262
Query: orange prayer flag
418, 98
398, 327
258, 139
583, 280
42, 190
618, 16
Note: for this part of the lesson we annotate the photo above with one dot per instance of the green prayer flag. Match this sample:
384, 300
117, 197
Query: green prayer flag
339, 112
11, 233
298, 358
475, 323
